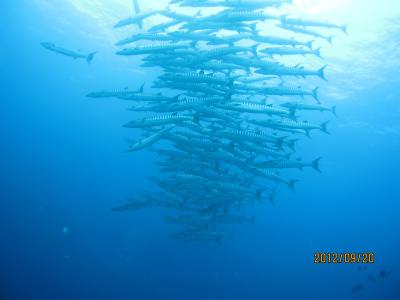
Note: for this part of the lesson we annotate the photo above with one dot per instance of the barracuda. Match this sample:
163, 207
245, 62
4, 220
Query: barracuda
289, 91
306, 32
225, 129
290, 164
311, 23
153, 48
254, 108
158, 98
232, 219
285, 123
218, 52
223, 67
137, 18
248, 4
304, 106
158, 120
134, 146
255, 136
273, 176
241, 15
294, 71
267, 151
164, 26
187, 102
290, 51
145, 36
195, 87
75, 55
197, 78
274, 40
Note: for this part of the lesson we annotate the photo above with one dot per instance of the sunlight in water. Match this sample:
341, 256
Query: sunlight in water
324, 7
371, 26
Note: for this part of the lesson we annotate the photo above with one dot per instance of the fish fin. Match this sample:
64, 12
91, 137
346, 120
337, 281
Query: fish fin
330, 39
90, 57
310, 44
136, 6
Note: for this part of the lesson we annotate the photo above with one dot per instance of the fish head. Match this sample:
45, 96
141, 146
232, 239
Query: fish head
126, 51
47, 45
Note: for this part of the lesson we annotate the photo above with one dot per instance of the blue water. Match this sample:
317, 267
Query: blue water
62, 169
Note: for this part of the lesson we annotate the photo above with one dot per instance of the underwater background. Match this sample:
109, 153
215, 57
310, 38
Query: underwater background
63, 168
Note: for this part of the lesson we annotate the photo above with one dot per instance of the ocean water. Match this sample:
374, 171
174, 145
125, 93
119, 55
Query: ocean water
63, 168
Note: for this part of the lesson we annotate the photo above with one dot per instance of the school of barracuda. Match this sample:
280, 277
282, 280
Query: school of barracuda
234, 116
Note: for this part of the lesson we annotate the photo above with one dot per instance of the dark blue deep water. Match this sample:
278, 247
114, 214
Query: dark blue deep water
63, 167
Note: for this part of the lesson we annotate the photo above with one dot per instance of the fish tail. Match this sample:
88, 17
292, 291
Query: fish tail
271, 199
283, 18
344, 29
259, 194
140, 90
90, 57
292, 113
310, 44
254, 28
196, 118
324, 127
315, 94
291, 184
315, 164
254, 49
317, 52
193, 44
292, 144
280, 141
321, 72
333, 109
